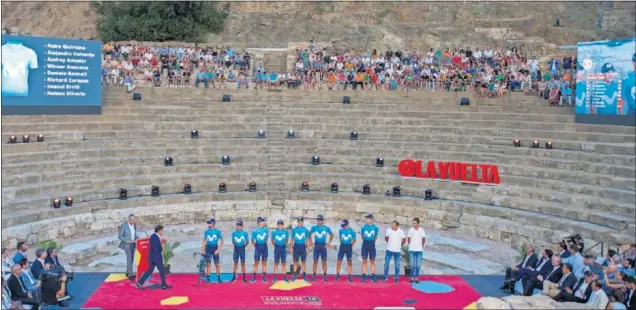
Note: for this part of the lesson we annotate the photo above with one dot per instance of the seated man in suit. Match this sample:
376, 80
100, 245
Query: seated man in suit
562, 251
512, 272
567, 281
581, 292
544, 266
52, 258
552, 276
38, 263
630, 297
599, 299
19, 290
32, 284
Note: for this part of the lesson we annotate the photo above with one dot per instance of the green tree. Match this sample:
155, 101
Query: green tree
158, 21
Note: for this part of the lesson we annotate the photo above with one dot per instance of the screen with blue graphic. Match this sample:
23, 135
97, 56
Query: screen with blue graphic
41, 71
605, 77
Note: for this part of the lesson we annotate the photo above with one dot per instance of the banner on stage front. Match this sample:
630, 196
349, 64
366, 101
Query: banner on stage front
143, 248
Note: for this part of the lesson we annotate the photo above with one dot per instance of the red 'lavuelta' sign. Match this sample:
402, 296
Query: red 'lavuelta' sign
450, 171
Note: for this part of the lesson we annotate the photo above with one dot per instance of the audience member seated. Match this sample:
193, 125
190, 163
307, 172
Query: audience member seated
631, 254
562, 251
53, 259
21, 253
513, 272
53, 287
38, 263
599, 299
580, 293
576, 260
31, 283
567, 281
627, 266
611, 258
6, 263
630, 297
615, 283
566, 95
129, 83
616, 301
553, 276
18, 288
544, 266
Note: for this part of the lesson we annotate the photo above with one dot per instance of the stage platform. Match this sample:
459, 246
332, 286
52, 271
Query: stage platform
112, 291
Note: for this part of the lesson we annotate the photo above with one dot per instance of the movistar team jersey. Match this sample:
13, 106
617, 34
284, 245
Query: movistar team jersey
259, 235
629, 93
610, 107
212, 236
280, 237
240, 238
369, 232
300, 234
17, 59
320, 233
347, 236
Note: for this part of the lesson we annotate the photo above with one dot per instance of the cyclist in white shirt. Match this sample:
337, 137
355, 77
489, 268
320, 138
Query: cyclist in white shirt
394, 238
416, 240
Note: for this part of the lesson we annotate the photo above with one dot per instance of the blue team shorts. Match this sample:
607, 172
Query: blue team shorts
368, 250
345, 249
320, 251
239, 253
280, 254
260, 252
209, 250
300, 250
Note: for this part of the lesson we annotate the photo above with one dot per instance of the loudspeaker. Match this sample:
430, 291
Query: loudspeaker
226, 98
346, 99
136, 96
464, 101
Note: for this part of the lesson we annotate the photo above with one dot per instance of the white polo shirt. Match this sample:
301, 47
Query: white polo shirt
416, 239
394, 244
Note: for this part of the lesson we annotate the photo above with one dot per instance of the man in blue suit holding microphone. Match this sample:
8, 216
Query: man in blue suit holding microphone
155, 258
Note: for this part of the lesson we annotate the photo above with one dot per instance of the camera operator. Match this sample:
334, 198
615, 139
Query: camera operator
53, 287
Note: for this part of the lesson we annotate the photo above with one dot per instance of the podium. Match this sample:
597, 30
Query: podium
142, 250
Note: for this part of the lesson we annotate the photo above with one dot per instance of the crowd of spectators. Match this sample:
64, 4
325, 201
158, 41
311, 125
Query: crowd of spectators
565, 274
487, 72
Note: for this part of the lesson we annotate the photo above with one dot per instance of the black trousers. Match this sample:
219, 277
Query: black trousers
531, 285
565, 296
30, 301
511, 275
151, 269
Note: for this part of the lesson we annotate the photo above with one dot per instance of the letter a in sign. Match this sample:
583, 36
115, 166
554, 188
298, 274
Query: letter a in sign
430, 170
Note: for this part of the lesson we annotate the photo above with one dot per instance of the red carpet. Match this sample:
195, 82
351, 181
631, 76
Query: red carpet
329, 295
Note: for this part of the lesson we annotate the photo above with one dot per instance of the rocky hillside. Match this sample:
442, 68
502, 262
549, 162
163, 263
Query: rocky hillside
360, 24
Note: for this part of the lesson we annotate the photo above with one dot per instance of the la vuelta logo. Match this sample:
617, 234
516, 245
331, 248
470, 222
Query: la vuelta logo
454, 171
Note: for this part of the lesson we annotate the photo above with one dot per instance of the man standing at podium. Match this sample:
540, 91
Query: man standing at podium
128, 235
155, 259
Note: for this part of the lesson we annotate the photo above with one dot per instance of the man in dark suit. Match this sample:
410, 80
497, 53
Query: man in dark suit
581, 292
562, 250
18, 289
567, 281
630, 298
155, 259
38, 263
52, 258
544, 266
553, 276
512, 272
128, 235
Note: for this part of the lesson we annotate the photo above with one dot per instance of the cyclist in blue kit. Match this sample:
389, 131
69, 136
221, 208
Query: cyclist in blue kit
369, 233
211, 247
319, 234
240, 239
280, 237
259, 240
299, 242
611, 90
629, 90
347, 238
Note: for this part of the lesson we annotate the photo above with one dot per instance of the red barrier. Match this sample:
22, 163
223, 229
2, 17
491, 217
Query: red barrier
454, 171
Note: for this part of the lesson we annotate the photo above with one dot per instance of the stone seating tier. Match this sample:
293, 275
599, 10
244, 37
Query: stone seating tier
585, 184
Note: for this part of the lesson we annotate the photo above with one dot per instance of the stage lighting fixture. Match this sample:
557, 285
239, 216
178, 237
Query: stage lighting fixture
69, 201
548, 145
379, 162
40, 138
304, 187
167, 161
354, 135
155, 191
13, 139
428, 194
366, 189
252, 187
535, 144
291, 134
194, 134
396, 191
26, 138
334, 187
516, 142
222, 188
315, 160
387, 194
123, 194
187, 189
225, 160
57, 203
261, 133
